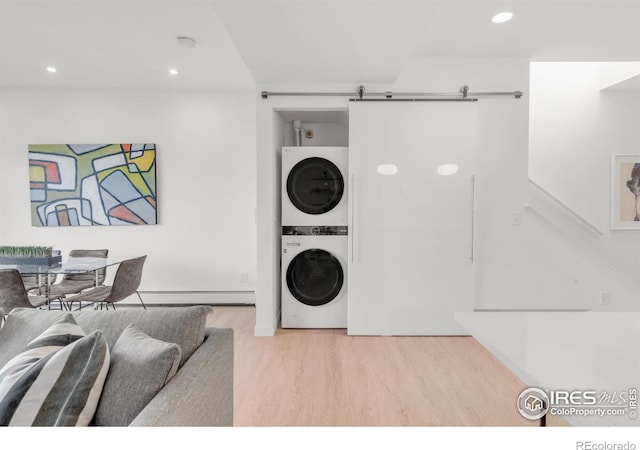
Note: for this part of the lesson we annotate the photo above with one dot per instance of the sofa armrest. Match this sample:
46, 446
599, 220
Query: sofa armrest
201, 392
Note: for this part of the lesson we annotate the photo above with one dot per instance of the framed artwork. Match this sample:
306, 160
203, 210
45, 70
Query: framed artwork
625, 192
92, 184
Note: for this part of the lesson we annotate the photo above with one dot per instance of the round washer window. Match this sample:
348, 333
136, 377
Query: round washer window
315, 185
315, 277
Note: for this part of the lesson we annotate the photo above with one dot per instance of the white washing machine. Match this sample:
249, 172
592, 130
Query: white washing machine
314, 277
314, 186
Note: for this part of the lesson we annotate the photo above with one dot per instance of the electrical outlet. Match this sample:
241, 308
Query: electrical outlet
244, 277
605, 298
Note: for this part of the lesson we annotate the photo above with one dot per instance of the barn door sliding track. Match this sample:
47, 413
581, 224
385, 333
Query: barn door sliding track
463, 95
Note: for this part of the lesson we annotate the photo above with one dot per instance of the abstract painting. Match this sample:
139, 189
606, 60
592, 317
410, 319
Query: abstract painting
625, 192
92, 184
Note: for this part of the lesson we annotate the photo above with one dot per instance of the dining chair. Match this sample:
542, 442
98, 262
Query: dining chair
14, 295
32, 283
74, 283
125, 283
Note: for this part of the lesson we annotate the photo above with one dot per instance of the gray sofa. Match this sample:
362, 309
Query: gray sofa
201, 391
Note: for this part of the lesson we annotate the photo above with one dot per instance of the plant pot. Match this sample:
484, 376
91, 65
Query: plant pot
32, 261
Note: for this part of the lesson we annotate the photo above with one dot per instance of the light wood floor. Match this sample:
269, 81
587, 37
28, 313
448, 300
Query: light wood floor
326, 378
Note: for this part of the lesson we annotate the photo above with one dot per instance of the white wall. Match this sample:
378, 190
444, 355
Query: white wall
529, 265
205, 237
575, 129
324, 135
618, 74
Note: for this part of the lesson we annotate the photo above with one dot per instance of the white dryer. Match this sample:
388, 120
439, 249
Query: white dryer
314, 186
314, 277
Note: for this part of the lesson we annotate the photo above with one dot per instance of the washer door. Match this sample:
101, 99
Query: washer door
315, 185
315, 277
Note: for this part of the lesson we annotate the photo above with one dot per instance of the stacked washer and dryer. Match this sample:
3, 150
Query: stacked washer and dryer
314, 237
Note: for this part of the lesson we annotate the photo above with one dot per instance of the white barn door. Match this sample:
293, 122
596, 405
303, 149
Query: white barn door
411, 218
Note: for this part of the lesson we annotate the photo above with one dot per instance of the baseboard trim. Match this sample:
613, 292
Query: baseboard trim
264, 330
193, 297
531, 310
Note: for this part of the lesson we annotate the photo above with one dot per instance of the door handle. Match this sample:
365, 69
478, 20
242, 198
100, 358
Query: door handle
473, 214
354, 225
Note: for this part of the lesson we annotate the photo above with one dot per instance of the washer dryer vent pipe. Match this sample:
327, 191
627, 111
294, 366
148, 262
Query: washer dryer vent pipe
297, 132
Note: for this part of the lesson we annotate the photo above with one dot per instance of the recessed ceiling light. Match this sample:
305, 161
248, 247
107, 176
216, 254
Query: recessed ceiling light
51, 69
502, 17
173, 71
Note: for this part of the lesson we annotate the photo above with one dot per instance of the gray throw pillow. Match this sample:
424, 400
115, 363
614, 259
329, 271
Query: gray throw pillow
56, 380
140, 367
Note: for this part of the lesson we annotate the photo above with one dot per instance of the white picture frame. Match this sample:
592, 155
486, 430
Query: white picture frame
625, 192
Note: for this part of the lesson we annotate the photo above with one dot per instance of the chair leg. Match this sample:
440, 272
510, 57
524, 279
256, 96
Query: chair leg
143, 305
88, 304
70, 306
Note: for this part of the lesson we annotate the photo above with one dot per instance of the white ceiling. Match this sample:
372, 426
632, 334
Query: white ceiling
117, 43
350, 41
131, 43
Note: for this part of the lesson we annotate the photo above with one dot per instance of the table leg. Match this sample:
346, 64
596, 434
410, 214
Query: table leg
49, 293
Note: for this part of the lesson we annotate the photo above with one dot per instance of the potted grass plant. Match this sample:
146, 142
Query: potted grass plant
29, 255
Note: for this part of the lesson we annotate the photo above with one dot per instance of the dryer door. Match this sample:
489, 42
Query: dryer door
315, 185
315, 277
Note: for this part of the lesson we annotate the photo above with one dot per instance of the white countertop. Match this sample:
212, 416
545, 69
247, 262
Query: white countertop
571, 351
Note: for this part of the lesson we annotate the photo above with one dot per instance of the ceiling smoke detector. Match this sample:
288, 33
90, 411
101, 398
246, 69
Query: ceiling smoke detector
186, 41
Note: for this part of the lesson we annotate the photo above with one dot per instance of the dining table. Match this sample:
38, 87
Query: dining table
47, 274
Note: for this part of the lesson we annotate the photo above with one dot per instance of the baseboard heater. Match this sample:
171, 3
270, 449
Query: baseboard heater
531, 310
193, 298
